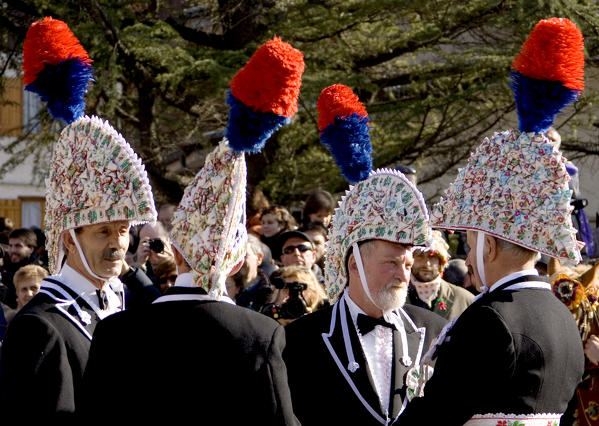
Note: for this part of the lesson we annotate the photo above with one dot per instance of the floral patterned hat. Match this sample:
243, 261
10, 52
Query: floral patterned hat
95, 176
209, 225
515, 185
385, 206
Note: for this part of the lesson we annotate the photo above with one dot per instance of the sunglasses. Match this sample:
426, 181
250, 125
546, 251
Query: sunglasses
301, 247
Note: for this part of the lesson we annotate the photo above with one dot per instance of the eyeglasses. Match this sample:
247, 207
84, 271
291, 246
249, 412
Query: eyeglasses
163, 280
301, 247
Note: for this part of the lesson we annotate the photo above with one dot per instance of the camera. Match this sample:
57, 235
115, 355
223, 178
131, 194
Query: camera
294, 307
156, 245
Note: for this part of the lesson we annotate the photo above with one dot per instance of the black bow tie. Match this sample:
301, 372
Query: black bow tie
366, 324
102, 299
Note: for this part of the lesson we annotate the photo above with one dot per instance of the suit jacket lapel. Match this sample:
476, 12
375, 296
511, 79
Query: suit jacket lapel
415, 339
360, 380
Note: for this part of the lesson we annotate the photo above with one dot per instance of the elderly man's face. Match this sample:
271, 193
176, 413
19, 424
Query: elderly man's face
387, 268
104, 246
297, 251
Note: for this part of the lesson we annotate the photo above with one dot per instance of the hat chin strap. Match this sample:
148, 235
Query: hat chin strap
480, 264
83, 259
358, 257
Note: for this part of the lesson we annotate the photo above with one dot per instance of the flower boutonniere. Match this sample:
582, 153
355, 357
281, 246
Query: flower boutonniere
441, 305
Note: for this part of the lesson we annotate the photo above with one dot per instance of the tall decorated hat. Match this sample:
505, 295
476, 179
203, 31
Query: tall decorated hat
208, 226
95, 176
515, 185
381, 204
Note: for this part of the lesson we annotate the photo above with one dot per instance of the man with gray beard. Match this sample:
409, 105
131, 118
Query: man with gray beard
362, 355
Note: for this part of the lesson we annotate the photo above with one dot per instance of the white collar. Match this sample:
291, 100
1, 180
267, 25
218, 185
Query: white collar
87, 291
512, 276
184, 280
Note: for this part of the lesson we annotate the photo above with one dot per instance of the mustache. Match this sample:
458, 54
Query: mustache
113, 254
396, 283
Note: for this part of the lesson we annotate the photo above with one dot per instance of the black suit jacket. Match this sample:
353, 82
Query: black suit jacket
187, 360
511, 352
44, 356
324, 390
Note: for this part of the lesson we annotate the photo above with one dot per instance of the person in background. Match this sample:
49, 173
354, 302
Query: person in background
297, 248
165, 214
28, 280
22, 243
166, 274
456, 272
153, 246
310, 299
318, 207
40, 251
427, 287
275, 220
318, 233
256, 203
252, 284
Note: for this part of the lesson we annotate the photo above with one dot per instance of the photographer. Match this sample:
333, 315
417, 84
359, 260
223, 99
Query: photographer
153, 247
296, 292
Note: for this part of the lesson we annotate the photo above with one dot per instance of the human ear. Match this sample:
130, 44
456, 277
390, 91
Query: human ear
68, 242
351, 264
490, 251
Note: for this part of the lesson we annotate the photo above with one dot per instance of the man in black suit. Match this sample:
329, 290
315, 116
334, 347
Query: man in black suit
193, 355
515, 355
188, 356
46, 347
359, 361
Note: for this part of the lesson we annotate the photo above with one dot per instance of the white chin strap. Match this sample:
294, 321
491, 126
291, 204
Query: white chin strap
358, 257
82, 256
480, 263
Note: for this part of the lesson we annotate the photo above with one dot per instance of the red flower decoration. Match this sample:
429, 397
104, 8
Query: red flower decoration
442, 306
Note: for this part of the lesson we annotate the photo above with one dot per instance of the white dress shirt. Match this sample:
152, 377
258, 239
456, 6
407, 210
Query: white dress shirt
378, 348
87, 291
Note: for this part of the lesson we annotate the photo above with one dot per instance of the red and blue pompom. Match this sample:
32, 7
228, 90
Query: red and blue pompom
344, 129
57, 68
548, 73
263, 95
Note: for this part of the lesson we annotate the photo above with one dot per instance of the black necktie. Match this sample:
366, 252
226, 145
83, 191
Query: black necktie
102, 299
366, 324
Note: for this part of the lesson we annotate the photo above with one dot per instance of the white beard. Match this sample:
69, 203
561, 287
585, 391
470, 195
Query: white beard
389, 298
